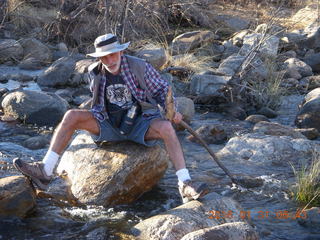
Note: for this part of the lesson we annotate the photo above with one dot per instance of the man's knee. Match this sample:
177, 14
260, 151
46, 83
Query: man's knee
71, 118
166, 129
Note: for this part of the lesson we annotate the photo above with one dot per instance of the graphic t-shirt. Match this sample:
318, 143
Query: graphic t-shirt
118, 98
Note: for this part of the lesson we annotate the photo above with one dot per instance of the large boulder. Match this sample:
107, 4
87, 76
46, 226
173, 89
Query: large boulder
256, 154
156, 56
188, 41
309, 114
207, 84
58, 74
189, 217
111, 174
226, 231
17, 197
43, 109
35, 49
10, 49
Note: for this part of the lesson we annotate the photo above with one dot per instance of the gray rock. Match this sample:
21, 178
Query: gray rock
33, 48
189, 217
44, 109
16, 196
298, 65
226, 231
310, 133
81, 66
207, 84
268, 112
274, 30
188, 41
313, 61
111, 174
30, 63
276, 129
65, 94
237, 39
269, 46
58, 74
312, 82
309, 114
37, 142
254, 153
256, 118
233, 22
156, 56
185, 106
62, 47
10, 49
81, 99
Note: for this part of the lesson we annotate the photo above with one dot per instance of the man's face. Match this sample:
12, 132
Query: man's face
112, 62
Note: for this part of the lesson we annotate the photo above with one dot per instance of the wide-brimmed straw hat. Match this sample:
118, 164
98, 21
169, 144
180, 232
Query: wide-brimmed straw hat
107, 44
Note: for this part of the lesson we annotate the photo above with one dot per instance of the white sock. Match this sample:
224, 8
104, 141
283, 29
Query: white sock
50, 161
183, 175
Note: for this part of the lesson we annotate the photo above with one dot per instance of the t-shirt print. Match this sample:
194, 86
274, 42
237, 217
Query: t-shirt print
119, 94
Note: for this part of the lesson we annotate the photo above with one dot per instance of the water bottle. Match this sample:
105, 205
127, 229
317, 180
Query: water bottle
128, 121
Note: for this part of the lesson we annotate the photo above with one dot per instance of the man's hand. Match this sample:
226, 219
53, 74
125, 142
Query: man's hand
177, 118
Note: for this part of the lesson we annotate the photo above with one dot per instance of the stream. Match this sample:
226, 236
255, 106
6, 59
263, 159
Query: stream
265, 208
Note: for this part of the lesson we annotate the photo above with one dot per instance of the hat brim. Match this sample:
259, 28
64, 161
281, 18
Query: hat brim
119, 48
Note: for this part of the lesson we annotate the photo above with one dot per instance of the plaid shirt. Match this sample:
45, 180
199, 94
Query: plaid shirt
157, 87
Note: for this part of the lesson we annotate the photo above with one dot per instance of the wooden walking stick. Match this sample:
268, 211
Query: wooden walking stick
170, 113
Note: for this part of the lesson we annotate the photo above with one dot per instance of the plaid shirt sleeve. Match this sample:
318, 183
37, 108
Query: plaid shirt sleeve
157, 86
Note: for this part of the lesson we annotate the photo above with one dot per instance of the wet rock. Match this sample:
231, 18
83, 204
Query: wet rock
16, 196
3, 91
10, 49
187, 218
111, 174
276, 129
100, 233
227, 231
309, 114
35, 49
20, 77
268, 112
188, 41
310, 133
43, 109
301, 67
256, 118
156, 56
185, 106
210, 134
312, 219
207, 84
58, 74
37, 142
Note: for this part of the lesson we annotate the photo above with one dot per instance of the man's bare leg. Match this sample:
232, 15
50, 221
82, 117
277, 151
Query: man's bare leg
162, 129
76, 119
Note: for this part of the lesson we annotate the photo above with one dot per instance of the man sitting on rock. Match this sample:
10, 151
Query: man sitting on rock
126, 91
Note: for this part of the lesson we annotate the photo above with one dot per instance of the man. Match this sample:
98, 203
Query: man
119, 83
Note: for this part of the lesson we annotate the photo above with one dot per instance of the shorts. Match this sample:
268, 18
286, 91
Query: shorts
110, 134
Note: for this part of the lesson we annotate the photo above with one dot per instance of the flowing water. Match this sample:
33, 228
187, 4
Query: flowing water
265, 208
